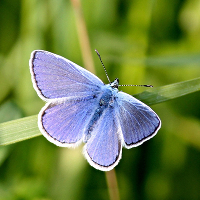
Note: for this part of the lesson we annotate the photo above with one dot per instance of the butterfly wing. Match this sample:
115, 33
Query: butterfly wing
103, 150
64, 122
137, 120
55, 77
70, 92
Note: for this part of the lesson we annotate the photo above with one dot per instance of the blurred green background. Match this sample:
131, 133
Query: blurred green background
140, 42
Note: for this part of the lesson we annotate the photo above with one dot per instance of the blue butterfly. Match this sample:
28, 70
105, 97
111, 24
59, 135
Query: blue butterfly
81, 108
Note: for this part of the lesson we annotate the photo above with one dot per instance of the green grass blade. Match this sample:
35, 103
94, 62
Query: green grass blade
169, 92
18, 130
26, 128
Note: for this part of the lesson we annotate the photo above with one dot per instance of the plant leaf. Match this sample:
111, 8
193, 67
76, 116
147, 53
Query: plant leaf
18, 130
169, 92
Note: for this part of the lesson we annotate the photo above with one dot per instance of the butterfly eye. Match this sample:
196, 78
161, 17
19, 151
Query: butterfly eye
115, 83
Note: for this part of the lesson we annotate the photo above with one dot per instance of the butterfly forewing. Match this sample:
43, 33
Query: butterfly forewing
56, 77
64, 123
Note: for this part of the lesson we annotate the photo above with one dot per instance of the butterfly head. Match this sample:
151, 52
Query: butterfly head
115, 83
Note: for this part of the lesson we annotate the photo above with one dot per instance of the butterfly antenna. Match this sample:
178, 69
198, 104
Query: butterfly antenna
103, 65
138, 85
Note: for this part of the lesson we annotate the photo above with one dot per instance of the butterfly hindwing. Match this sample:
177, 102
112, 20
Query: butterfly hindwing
103, 150
137, 120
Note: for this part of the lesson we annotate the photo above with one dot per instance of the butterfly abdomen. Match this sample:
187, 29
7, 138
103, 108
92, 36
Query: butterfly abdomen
105, 100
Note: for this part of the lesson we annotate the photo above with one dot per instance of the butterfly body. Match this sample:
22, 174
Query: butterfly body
106, 100
81, 108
